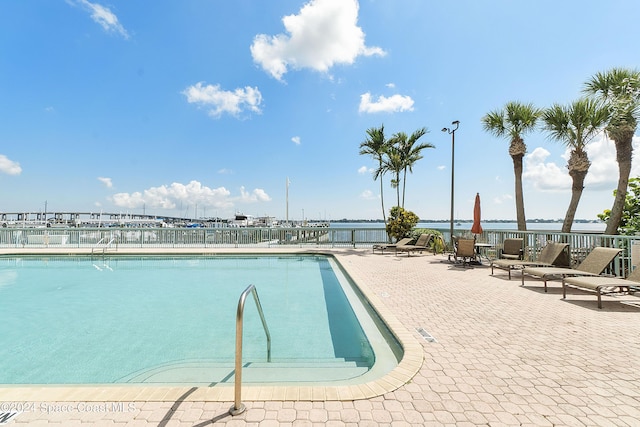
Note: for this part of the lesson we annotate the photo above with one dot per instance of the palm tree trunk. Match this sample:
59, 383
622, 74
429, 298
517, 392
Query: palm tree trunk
576, 193
404, 184
624, 151
384, 216
398, 187
517, 170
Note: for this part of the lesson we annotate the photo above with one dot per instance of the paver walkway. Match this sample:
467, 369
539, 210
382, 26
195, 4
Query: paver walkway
504, 355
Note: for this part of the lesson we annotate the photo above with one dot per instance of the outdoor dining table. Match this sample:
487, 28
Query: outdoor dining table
482, 251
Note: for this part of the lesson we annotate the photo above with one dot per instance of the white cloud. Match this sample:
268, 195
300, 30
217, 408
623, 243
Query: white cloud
104, 17
296, 140
168, 197
194, 193
219, 101
441, 167
225, 171
106, 181
363, 169
544, 176
324, 33
367, 195
9, 166
257, 195
602, 175
392, 104
391, 85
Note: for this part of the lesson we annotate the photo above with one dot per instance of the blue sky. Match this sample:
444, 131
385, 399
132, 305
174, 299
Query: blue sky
205, 107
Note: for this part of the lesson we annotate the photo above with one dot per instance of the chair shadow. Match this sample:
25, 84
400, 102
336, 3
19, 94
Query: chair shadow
618, 303
610, 303
552, 287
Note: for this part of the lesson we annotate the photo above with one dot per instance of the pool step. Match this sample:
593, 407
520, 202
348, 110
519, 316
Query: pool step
211, 373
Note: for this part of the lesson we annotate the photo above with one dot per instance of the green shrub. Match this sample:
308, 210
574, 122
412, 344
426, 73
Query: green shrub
401, 222
630, 221
437, 243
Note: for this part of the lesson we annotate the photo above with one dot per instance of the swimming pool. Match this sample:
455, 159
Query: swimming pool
171, 320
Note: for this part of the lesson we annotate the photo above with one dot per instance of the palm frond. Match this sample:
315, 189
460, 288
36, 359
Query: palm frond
513, 121
494, 123
576, 124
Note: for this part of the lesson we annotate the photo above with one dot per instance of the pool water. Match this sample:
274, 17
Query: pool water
78, 320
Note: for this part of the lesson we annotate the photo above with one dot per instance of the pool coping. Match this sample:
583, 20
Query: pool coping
406, 369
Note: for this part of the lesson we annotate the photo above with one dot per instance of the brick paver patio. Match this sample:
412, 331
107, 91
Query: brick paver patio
504, 355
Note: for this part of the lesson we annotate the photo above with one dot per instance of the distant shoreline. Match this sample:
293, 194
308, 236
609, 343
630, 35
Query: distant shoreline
496, 221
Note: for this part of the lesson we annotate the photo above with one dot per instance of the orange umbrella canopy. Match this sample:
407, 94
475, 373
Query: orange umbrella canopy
476, 228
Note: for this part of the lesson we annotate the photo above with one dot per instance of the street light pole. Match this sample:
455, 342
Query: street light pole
452, 132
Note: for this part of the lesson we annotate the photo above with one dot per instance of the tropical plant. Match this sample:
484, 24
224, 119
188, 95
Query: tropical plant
437, 243
575, 125
630, 220
396, 155
619, 90
376, 146
393, 162
401, 222
410, 152
513, 122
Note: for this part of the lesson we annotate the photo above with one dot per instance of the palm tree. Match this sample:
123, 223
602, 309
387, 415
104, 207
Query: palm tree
619, 90
410, 152
574, 126
515, 120
394, 162
376, 146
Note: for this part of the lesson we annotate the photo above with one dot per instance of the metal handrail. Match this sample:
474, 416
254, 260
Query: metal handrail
113, 239
96, 246
105, 247
238, 407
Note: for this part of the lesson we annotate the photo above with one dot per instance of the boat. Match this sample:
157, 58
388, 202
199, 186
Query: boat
242, 220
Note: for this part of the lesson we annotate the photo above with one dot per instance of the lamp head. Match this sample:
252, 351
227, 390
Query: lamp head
455, 122
445, 130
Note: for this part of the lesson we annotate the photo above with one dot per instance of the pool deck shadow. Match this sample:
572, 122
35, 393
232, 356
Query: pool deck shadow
503, 354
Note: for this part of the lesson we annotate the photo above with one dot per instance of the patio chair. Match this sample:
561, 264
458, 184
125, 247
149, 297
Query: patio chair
593, 265
464, 251
401, 242
602, 285
552, 255
422, 244
512, 249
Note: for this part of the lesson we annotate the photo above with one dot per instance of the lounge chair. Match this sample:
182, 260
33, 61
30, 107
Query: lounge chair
401, 242
464, 251
422, 244
602, 285
593, 265
552, 255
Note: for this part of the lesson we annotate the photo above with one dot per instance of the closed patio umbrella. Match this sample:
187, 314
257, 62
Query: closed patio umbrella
476, 228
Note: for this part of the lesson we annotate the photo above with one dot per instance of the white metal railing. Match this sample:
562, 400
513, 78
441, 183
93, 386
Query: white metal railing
146, 237
190, 237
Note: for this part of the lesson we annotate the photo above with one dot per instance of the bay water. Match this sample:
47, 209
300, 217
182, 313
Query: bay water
531, 226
